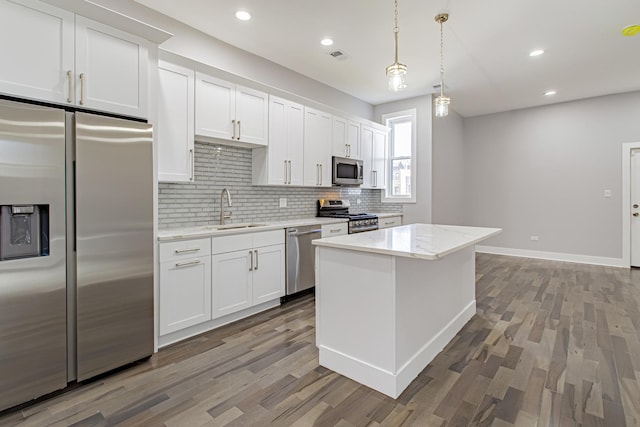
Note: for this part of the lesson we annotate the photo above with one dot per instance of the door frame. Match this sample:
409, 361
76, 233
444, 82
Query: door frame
626, 201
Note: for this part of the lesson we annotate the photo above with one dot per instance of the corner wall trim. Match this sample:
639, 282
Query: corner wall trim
553, 256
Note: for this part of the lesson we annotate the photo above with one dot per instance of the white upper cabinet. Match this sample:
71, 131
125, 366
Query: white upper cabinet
317, 147
111, 69
373, 145
281, 163
53, 55
226, 111
346, 137
37, 51
175, 125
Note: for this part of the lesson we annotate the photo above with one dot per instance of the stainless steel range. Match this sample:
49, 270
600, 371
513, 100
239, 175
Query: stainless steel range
340, 209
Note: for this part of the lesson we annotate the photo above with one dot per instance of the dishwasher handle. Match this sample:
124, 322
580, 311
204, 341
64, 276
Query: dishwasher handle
296, 233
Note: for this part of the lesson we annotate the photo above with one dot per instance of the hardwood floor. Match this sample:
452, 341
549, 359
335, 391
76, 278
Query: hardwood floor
552, 344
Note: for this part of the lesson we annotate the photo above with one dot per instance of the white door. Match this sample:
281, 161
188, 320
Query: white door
379, 159
635, 207
215, 107
317, 148
295, 142
111, 69
268, 273
340, 144
231, 282
353, 139
175, 125
277, 161
366, 149
185, 293
36, 50
252, 116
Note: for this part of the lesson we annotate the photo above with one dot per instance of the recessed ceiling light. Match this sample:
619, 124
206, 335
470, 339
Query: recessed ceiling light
326, 42
550, 92
243, 15
536, 52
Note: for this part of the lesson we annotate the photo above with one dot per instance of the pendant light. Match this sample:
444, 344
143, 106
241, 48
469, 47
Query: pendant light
442, 102
396, 71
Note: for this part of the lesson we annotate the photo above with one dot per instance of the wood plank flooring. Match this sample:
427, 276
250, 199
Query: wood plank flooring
552, 344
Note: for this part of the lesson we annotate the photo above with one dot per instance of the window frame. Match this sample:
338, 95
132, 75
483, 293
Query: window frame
388, 119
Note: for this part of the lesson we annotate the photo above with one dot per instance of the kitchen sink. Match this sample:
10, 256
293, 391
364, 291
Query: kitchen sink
232, 226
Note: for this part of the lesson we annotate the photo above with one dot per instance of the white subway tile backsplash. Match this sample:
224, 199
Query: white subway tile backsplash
219, 166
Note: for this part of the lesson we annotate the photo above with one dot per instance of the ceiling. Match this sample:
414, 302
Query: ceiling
487, 66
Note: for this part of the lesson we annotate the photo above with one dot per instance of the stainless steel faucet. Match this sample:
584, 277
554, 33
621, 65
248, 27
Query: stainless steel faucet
222, 215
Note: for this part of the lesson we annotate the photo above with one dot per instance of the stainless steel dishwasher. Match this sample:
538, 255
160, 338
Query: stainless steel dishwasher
300, 259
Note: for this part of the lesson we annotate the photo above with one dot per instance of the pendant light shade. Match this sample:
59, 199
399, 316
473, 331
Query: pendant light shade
396, 71
442, 102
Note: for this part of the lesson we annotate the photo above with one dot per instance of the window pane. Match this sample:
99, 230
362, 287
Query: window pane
401, 177
401, 139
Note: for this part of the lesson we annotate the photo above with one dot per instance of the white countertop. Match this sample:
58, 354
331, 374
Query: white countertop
204, 231
425, 241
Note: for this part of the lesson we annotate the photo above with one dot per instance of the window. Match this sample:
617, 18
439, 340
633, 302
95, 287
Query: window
402, 152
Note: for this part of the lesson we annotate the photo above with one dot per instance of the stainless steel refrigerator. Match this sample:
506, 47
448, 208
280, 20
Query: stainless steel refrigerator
76, 247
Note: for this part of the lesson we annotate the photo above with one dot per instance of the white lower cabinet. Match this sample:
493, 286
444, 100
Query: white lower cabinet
231, 281
203, 280
391, 221
185, 284
252, 273
338, 229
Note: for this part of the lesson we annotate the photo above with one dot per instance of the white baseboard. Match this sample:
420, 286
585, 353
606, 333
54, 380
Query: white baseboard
553, 256
387, 382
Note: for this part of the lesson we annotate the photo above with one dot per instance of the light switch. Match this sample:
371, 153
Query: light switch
607, 193
534, 238
283, 202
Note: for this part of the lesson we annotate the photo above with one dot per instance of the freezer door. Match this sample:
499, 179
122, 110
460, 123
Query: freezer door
114, 238
33, 290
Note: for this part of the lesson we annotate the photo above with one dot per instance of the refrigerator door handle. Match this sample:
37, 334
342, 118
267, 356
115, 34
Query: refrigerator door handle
75, 228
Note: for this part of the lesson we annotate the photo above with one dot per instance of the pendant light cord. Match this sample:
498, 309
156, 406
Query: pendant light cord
441, 61
396, 31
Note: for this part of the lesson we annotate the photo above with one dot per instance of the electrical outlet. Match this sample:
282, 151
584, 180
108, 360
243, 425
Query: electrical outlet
283, 202
533, 238
607, 193
358, 201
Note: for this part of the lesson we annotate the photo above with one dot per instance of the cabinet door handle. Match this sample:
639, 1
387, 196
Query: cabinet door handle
389, 222
285, 180
186, 251
251, 255
233, 129
289, 171
82, 78
239, 130
193, 165
321, 174
70, 82
256, 267
335, 230
188, 263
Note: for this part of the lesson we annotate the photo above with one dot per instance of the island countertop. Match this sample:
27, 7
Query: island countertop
424, 241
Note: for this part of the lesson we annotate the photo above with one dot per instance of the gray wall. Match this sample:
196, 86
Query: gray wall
542, 171
419, 212
449, 172
219, 166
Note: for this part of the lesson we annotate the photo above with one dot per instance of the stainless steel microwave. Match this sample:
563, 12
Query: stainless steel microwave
346, 171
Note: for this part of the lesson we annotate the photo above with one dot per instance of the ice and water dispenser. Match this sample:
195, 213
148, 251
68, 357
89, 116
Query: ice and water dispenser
24, 231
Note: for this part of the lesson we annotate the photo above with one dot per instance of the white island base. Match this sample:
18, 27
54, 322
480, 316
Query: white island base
387, 303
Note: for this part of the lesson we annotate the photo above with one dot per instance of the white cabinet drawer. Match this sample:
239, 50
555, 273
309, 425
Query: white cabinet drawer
268, 238
392, 221
236, 242
330, 230
172, 251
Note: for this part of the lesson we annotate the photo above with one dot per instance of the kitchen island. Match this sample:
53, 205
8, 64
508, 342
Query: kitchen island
388, 301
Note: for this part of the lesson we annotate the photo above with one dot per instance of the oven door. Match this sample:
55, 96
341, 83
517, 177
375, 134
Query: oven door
347, 171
